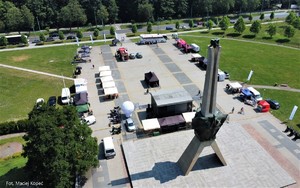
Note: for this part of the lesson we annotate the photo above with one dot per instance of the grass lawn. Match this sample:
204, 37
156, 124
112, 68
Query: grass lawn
271, 64
52, 60
13, 170
287, 101
19, 91
13, 139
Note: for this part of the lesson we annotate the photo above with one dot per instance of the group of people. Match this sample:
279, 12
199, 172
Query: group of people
239, 112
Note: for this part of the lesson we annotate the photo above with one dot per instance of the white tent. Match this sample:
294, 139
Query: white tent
127, 107
188, 116
150, 124
108, 84
80, 82
105, 73
104, 68
80, 88
106, 79
110, 91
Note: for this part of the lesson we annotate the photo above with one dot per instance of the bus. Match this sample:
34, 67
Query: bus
14, 39
152, 38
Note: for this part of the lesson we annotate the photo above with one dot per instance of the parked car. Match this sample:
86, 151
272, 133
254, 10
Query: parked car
273, 104
89, 120
132, 56
139, 55
35, 41
71, 37
169, 28
183, 27
130, 125
50, 39
52, 101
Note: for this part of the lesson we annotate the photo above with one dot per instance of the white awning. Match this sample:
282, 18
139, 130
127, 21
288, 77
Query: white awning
106, 79
79, 89
235, 85
150, 124
110, 91
188, 116
80, 82
108, 84
196, 56
105, 73
104, 68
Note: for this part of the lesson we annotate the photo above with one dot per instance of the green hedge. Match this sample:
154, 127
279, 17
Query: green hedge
14, 127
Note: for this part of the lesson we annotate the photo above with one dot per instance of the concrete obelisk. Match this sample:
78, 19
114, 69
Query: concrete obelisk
208, 121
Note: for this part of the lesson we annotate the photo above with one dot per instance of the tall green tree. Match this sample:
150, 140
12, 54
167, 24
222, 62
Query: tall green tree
145, 12
113, 10
224, 23
222, 6
272, 15
239, 25
28, 19
291, 17
255, 27
180, 8
73, 14
167, 8
112, 30
252, 5
262, 16
289, 31
14, 20
210, 24
149, 27
59, 147
272, 30
134, 28
102, 14
296, 23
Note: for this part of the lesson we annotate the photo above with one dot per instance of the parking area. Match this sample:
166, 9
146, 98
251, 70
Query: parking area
174, 70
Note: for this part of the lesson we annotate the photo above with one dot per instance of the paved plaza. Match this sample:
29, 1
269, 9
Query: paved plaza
258, 153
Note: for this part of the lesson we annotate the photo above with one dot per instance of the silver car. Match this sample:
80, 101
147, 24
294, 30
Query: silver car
130, 125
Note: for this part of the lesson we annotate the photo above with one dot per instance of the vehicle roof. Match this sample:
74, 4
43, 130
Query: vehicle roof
254, 91
129, 120
108, 143
90, 118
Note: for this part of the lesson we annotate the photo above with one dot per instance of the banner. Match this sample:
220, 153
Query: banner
77, 41
293, 112
104, 36
250, 75
92, 39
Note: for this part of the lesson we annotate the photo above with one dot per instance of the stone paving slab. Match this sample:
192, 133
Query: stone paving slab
121, 87
122, 98
165, 58
115, 74
105, 49
108, 56
111, 63
173, 67
152, 162
182, 78
158, 51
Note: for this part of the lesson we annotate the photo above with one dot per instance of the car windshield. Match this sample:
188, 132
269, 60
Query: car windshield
110, 151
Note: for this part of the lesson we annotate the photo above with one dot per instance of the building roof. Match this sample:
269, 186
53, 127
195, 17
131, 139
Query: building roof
169, 97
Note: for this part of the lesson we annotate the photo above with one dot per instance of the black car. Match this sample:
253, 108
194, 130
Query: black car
52, 101
71, 37
169, 28
273, 104
139, 55
50, 39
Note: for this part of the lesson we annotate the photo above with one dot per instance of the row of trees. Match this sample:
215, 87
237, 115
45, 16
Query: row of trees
38, 14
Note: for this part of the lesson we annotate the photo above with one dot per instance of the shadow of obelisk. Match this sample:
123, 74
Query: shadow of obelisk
208, 121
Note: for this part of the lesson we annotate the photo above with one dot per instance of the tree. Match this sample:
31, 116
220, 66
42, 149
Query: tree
42, 37
3, 41
79, 34
96, 32
210, 24
255, 27
64, 144
289, 31
239, 25
272, 15
149, 27
272, 30
73, 14
191, 23
177, 25
296, 23
14, 19
102, 14
224, 23
262, 16
250, 18
24, 39
167, 8
112, 30
180, 8
145, 12
61, 35
134, 28
290, 18
222, 6
113, 10
28, 19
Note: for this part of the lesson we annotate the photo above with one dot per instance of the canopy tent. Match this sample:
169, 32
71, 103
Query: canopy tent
188, 116
235, 85
80, 88
81, 98
104, 68
105, 73
82, 108
80, 82
150, 124
108, 84
151, 79
171, 123
110, 91
106, 79
196, 57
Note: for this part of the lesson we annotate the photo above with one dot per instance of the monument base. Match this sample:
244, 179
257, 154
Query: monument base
193, 151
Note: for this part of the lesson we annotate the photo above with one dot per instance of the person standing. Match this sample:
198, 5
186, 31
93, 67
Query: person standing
232, 110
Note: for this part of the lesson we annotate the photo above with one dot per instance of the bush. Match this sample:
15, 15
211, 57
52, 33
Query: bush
61, 35
79, 34
14, 127
3, 41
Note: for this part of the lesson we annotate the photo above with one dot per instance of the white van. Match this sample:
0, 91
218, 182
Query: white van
109, 148
195, 48
65, 95
256, 95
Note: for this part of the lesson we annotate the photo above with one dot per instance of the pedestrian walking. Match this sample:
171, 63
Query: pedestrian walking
147, 91
93, 66
232, 110
242, 111
199, 93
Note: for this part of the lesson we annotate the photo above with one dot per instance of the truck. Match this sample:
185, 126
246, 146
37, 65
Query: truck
109, 148
122, 54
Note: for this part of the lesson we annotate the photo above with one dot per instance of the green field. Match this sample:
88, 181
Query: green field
19, 91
